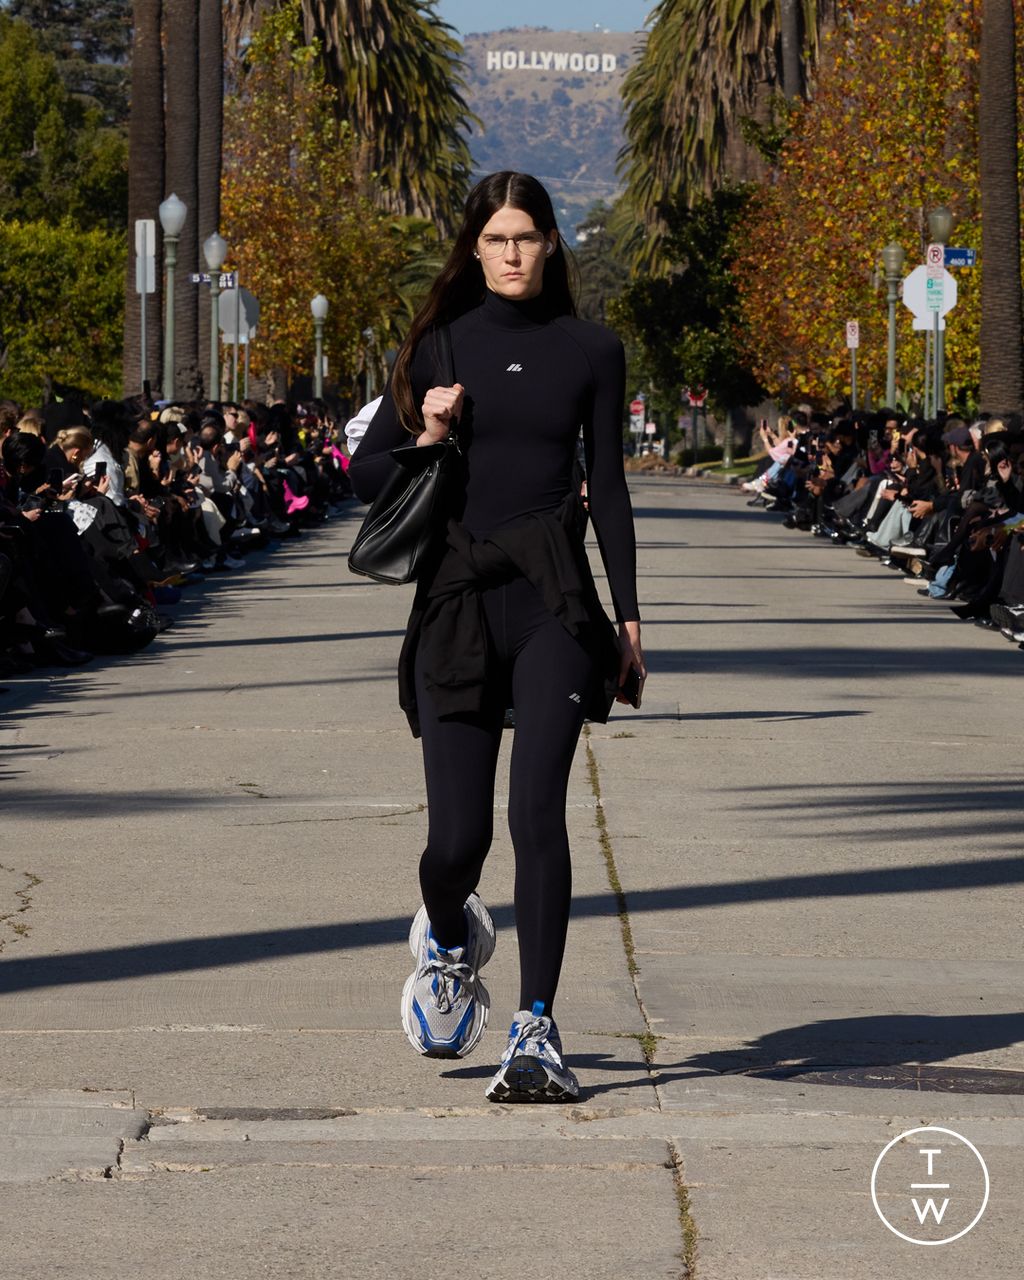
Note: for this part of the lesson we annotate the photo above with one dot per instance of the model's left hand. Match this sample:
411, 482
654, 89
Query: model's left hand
632, 655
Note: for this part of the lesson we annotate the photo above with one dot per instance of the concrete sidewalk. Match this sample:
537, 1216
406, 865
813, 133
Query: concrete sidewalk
205, 891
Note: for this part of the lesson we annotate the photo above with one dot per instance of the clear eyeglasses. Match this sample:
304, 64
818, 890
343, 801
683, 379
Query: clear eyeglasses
528, 243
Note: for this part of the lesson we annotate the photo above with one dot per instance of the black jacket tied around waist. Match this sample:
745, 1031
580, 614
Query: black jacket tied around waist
447, 623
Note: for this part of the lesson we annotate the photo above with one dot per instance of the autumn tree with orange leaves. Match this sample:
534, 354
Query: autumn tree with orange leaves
891, 132
295, 222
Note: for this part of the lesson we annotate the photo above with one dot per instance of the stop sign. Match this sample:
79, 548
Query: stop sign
636, 406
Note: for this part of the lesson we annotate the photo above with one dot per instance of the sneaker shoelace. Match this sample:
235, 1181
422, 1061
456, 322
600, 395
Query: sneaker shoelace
532, 1034
447, 973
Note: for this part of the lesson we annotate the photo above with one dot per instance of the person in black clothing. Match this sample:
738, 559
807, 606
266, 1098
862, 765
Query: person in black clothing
507, 614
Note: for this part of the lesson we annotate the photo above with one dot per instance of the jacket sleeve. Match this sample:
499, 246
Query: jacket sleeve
608, 496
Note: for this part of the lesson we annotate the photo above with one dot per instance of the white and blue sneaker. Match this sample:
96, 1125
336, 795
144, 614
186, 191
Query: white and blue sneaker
445, 1006
532, 1069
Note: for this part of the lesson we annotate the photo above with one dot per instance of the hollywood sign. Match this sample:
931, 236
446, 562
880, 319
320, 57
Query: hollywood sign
547, 60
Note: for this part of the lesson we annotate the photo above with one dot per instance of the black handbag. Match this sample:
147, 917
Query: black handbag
407, 514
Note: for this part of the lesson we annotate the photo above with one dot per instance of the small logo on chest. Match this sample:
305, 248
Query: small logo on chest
514, 368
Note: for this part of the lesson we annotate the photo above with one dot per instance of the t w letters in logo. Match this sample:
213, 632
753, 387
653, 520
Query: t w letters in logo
930, 1185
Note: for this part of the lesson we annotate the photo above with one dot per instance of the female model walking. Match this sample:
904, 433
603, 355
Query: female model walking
507, 613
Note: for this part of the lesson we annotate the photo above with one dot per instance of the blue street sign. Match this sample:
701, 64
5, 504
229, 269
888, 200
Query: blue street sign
960, 257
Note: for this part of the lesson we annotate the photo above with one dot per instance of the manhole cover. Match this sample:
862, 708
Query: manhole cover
924, 1079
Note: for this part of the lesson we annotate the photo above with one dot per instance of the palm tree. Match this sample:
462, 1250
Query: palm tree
145, 181
181, 31
706, 65
211, 116
395, 67
1002, 377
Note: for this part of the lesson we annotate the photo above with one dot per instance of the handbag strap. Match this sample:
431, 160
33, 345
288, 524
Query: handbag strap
446, 361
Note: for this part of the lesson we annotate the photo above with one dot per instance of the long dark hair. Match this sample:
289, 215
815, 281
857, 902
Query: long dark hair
460, 284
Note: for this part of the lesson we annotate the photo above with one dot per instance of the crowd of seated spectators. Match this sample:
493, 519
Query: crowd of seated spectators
941, 500
108, 512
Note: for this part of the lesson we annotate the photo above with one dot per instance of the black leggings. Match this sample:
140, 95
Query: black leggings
542, 672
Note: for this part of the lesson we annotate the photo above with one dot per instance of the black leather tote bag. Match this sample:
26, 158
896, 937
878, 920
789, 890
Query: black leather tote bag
408, 513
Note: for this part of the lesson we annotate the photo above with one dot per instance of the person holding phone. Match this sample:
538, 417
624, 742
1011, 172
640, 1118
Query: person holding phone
111, 425
507, 613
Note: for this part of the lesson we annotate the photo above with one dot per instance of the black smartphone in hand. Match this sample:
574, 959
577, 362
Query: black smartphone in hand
630, 688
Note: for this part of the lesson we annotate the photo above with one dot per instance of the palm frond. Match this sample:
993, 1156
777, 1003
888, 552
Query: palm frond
396, 69
699, 72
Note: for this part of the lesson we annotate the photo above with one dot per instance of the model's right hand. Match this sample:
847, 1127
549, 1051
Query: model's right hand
441, 406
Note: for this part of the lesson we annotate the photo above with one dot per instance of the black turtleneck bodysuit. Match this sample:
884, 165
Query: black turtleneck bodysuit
532, 381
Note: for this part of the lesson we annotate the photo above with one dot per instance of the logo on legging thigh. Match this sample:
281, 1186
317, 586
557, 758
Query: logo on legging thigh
574, 697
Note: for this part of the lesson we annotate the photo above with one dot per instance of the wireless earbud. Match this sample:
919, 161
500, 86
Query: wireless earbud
550, 249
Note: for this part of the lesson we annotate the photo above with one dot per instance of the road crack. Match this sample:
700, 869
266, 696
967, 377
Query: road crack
10, 919
647, 1040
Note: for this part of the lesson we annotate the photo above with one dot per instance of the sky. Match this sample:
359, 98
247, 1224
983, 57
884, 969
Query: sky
467, 16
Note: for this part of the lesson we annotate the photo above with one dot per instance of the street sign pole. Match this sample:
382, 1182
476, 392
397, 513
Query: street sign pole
935, 266
936, 364
238, 325
142, 300
928, 373
248, 340
853, 342
145, 280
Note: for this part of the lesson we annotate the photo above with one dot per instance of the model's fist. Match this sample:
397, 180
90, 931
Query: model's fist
441, 407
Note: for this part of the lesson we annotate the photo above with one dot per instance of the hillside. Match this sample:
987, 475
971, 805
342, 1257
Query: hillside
550, 104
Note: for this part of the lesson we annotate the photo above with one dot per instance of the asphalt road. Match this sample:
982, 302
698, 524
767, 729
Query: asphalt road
208, 872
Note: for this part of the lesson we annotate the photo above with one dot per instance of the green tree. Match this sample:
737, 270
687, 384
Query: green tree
394, 67
91, 41
57, 158
682, 326
603, 270
706, 65
61, 316
1002, 335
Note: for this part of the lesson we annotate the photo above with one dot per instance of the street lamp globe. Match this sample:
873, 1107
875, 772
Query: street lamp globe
940, 224
319, 307
215, 250
172, 215
893, 258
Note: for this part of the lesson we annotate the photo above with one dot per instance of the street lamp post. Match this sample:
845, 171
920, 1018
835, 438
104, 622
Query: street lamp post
940, 225
893, 258
172, 218
215, 250
319, 309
